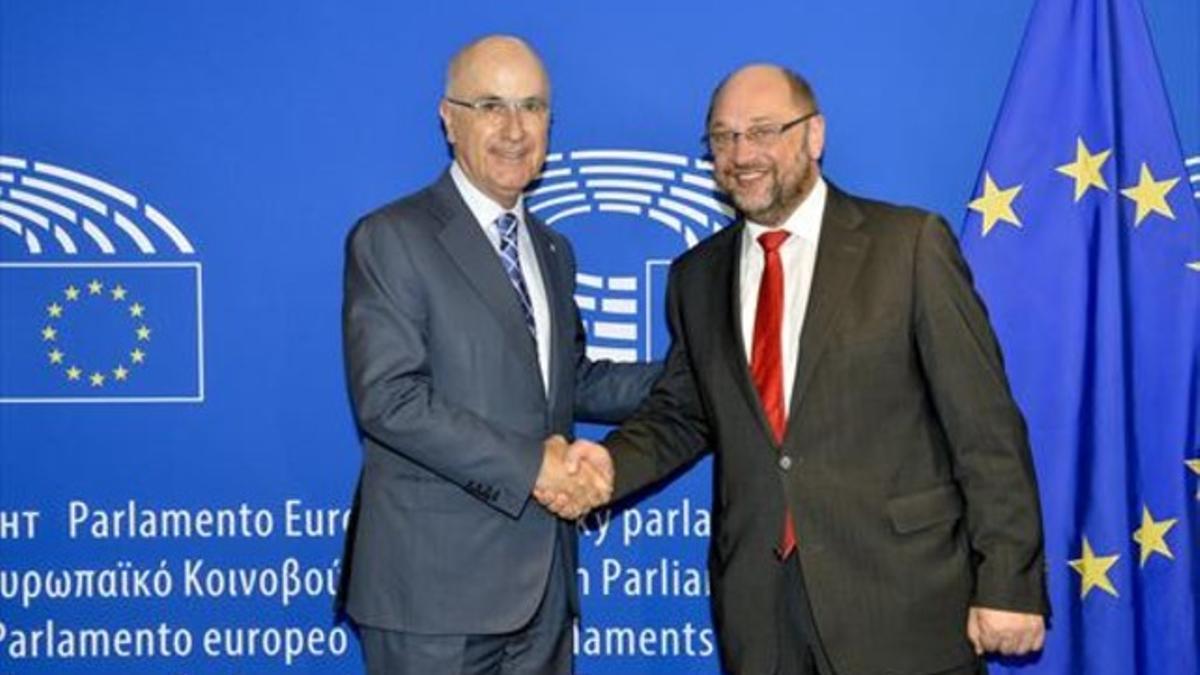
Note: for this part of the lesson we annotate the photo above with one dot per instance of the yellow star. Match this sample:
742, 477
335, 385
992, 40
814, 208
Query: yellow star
73, 373
1150, 195
121, 373
119, 292
136, 310
1194, 266
71, 292
1085, 169
143, 333
56, 356
49, 333
995, 204
1152, 535
137, 355
94, 287
97, 379
54, 310
1093, 570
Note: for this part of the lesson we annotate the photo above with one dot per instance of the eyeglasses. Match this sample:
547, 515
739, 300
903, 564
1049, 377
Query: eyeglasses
494, 108
760, 135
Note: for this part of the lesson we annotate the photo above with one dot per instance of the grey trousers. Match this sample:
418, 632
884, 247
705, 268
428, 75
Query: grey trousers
541, 647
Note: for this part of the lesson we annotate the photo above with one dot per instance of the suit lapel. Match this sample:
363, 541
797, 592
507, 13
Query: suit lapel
840, 255
471, 251
735, 343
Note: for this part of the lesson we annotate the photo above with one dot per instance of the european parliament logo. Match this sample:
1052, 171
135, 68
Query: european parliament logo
641, 209
101, 293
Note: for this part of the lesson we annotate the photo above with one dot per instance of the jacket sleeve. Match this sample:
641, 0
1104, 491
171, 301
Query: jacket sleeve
606, 392
670, 428
989, 444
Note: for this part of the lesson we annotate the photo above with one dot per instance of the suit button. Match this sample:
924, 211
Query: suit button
785, 462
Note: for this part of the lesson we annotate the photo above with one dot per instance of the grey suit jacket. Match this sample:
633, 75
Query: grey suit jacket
451, 406
908, 469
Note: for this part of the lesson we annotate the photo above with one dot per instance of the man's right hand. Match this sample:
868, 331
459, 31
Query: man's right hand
574, 479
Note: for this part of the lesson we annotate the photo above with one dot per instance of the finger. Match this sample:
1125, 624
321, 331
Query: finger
973, 632
1039, 637
1024, 643
1024, 638
1034, 636
597, 455
575, 453
592, 454
598, 483
990, 641
991, 636
592, 497
567, 512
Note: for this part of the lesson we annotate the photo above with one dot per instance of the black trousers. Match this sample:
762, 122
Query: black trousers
800, 648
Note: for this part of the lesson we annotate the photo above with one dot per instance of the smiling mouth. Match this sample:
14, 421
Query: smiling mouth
510, 155
749, 177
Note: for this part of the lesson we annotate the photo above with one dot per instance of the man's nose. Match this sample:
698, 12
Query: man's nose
742, 149
514, 124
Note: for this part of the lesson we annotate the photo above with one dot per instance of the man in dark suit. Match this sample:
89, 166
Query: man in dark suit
875, 503
466, 364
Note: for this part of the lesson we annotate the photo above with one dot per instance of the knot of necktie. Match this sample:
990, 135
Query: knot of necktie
771, 241
506, 225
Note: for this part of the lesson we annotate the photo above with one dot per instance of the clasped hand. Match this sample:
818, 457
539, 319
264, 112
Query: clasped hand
575, 478
1008, 633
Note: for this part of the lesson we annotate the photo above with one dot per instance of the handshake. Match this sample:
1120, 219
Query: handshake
574, 478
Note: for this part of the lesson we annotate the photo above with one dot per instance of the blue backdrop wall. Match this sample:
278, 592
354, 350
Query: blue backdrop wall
177, 453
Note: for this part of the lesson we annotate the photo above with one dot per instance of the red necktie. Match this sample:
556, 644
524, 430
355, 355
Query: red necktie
766, 356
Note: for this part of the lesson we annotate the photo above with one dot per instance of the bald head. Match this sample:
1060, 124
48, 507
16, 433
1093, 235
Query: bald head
480, 62
496, 115
760, 78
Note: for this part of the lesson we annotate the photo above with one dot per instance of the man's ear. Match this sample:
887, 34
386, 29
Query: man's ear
816, 137
447, 121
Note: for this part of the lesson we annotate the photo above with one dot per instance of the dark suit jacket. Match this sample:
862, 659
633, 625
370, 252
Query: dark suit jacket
910, 476
450, 402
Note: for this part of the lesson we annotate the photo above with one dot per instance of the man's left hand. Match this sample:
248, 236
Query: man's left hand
1004, 632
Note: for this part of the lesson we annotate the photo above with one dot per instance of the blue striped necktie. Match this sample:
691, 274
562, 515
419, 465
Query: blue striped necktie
506, 226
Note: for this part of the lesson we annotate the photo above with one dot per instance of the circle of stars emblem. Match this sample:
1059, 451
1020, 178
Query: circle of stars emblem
52, 333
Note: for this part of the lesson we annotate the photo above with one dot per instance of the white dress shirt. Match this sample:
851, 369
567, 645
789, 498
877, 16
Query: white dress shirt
798, 254
486, 211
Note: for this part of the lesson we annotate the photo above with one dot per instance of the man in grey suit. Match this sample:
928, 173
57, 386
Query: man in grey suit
876, 509
465, 357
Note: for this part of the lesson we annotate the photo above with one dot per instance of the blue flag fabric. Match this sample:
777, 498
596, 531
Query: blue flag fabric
1085, 242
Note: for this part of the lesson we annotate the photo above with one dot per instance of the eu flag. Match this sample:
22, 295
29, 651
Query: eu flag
1085, 242
100, 332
